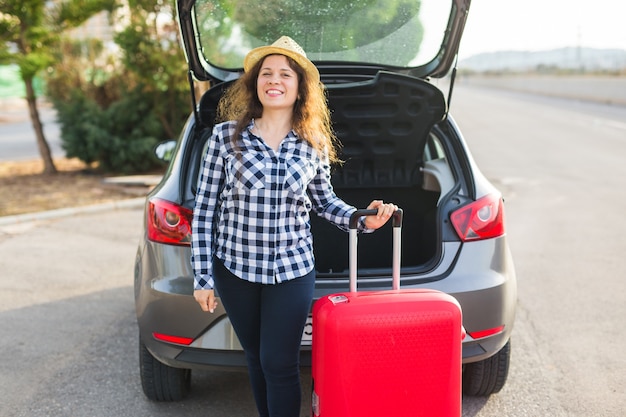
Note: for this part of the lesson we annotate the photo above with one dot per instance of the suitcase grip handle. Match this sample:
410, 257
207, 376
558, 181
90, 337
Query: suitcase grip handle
397, 228
354, 218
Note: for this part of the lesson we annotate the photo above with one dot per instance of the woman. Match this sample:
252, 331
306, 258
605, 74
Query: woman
265, 169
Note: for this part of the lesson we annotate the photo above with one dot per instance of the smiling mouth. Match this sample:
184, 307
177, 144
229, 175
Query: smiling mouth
273, 92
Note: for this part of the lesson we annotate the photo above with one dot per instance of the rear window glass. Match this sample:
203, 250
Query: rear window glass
399, 33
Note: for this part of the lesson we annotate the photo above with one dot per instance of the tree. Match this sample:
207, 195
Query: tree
115, 104
29, 32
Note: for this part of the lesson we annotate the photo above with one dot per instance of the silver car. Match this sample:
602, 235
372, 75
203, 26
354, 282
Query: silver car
378, 60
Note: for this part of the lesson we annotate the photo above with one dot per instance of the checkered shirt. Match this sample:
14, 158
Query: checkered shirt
252, 207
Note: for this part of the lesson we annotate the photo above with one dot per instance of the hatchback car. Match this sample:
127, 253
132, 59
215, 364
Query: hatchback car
377, 60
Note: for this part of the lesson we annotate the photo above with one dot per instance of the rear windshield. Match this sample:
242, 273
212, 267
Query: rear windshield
398, 33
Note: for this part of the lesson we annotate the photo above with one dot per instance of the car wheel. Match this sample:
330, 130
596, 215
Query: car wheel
159, 381
488, 376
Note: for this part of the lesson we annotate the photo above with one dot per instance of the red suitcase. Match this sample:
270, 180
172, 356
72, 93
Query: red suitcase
393, 353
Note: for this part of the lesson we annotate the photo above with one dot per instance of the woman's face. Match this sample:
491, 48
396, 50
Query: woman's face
277, 83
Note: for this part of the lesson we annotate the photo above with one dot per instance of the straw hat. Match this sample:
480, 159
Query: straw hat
283, 46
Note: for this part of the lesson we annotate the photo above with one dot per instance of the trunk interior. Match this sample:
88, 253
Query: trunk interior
384, 126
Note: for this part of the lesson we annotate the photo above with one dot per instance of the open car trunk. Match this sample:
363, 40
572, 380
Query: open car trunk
373, 57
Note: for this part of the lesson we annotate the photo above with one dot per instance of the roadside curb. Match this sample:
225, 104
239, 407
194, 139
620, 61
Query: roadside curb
70, 211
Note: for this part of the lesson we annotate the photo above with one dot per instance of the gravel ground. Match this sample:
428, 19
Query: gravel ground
25, 189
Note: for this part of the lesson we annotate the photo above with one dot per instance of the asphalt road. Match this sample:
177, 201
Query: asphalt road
69, 338
17, 137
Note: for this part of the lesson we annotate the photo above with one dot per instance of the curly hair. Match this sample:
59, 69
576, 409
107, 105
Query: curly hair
311, 116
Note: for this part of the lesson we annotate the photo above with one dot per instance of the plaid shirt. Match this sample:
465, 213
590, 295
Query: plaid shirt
252, 207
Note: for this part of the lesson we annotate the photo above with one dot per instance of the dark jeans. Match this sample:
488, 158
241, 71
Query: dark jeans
269, 320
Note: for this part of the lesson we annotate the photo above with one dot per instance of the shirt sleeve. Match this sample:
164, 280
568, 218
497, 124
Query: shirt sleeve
327, 204
206, 204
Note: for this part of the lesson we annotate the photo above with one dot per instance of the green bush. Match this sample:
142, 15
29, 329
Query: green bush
114, 107
80, 122
120, 138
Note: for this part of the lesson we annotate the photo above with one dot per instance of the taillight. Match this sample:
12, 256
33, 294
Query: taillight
480, 334
482, 219
168, 223
179, 340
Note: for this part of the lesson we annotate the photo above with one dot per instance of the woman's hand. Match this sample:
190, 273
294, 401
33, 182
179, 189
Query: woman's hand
206, 299
385, 211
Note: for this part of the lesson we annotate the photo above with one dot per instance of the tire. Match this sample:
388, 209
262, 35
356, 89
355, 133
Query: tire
481, 379
159, 381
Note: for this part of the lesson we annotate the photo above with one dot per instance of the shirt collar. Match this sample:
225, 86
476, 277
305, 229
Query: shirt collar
292, 136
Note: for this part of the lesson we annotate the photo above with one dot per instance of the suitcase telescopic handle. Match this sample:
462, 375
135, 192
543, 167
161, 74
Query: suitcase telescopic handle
396, 251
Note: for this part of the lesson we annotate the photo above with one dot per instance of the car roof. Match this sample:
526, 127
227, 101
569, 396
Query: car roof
357, 37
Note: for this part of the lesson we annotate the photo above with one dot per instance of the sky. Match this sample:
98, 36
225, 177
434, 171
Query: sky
535, 25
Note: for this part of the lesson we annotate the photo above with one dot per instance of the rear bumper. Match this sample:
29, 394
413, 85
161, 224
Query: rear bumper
195, 358
481, 277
